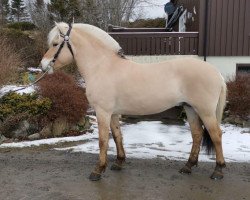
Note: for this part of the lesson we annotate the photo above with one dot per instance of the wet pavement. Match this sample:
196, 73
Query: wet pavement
40, 173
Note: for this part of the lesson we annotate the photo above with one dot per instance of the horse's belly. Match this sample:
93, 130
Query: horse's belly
146, 106
141, 111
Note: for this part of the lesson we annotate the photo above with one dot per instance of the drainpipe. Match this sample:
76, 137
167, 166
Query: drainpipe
205, 31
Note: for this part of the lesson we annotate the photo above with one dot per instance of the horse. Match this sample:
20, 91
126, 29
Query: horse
117, 86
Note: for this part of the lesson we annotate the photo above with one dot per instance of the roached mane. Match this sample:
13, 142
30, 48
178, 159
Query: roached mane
98, 33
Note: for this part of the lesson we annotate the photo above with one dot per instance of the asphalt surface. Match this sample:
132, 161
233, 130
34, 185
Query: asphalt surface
45, 174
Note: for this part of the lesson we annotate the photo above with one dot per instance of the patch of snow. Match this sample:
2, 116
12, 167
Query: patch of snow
155, 139
32, 69
48, 141
9, 88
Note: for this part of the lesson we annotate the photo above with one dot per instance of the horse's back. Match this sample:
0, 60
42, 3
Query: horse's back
192, 65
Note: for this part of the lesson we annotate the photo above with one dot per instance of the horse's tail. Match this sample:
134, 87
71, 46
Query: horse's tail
207, 142
221, 103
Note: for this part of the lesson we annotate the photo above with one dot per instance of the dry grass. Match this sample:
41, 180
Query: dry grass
10, 61
41, 46
31, 45
239, 96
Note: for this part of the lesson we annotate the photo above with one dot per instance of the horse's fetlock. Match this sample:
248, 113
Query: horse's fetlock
192, 162
220, 165
101, 167
121, 158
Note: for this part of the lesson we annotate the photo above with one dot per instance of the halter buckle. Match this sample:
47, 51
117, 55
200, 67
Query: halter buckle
66, 38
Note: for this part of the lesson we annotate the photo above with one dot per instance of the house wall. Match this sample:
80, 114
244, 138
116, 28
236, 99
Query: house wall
226, 65
228, 27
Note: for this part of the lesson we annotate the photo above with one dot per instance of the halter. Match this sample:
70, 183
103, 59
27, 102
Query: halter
65, 40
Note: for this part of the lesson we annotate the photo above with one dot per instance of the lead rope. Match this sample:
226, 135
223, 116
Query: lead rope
31, 84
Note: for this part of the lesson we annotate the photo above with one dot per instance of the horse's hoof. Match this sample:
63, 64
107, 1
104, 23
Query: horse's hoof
217, 175
185, 170
116, 167
94, 176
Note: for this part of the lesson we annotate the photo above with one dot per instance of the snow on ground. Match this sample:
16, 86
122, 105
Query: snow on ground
33, 69
155, 139
9, 88
50, 141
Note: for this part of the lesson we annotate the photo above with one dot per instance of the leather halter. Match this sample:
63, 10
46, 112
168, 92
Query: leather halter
65, 40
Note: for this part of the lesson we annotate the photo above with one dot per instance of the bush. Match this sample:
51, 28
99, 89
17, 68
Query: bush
13, 104
239, 96
10, 61
148, 23
23, 26
24, 43
11, 123
68, 99
40, 46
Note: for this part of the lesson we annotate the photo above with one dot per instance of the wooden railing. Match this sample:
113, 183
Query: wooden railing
157, 43
123, 29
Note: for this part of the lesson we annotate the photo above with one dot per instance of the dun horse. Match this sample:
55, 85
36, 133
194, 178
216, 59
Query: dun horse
116, 86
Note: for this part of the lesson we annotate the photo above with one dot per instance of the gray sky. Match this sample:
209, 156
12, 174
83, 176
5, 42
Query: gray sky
152, 11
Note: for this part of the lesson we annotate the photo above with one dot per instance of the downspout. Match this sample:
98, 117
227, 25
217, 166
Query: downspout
205, 31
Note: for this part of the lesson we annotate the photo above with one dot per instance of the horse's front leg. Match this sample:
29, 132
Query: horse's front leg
117, 136
103, 119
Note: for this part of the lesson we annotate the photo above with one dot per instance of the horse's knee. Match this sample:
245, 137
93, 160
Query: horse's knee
103, 144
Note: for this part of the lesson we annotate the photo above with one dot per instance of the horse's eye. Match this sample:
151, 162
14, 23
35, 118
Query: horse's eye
54, 45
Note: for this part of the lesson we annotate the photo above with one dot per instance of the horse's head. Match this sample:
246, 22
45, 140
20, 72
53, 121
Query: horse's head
61, 50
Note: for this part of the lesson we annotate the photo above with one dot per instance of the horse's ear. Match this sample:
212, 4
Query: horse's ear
59, 27
62, 27
56, 24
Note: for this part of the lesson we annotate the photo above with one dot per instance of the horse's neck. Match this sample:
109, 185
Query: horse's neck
91, 60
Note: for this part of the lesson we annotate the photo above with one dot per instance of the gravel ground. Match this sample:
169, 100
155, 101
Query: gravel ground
45, 174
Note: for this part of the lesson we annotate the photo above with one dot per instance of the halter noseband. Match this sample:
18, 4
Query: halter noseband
65, 40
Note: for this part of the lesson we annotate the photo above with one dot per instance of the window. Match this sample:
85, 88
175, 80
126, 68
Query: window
243, 69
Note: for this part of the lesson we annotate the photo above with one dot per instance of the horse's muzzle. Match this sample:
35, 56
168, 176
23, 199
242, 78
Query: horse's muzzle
46, 66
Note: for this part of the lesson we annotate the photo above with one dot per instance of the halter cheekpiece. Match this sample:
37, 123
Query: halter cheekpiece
65, 40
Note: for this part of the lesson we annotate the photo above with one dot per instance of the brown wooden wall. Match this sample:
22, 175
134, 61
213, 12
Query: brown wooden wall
228, 28
158, 43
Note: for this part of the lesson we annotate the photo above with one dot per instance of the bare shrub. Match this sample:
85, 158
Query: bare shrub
10, 61
40, 46
22, 42
147, 23
239, 96
68, 99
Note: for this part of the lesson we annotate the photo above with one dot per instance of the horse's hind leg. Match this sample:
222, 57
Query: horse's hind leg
196, 130
117, 136
215, 133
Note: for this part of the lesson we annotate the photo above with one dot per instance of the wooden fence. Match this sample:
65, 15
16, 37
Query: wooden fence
157, 43
124, 29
